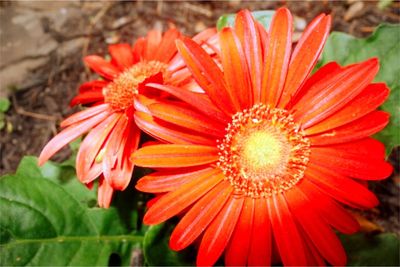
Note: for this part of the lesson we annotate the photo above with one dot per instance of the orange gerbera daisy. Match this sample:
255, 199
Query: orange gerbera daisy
275, 150
113, 135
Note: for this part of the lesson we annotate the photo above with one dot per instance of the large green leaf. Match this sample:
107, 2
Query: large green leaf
43, 224
157, 252
384, 43
262, 16
376, 250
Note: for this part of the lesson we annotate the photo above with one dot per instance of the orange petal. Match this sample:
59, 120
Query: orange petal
207, 74
167, 48
122, 54
95, 85
331, 94
305, 56
174, 202
217, 235
84, 115
235, 68
340, 187
87, 97
153, 40
200, 216
277, 57
104, 194
286, 234
247, 31
326, 242
102, 67
358, 129
239, 244
368, 100
166, 132
168, 180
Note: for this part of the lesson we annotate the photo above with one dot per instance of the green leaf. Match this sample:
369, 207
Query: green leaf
42, 224
382, 4
377, 250
262, 16
156, 250
384, 44
4, 105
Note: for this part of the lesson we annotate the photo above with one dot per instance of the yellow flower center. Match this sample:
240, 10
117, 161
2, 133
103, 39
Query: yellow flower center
264, 152
121, 91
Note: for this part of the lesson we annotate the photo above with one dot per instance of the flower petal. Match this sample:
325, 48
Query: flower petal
327, 96
87, 97
174, 202
277, 57
102, 67
153, 40
217, 235
358, 129
367, 101
238, 248
286, 234
85, 114
104, 194
207, 74
235, 68
95, 85
319, 232
200, 216
340, 187
122, 55
167, 48
168, 180
305, 56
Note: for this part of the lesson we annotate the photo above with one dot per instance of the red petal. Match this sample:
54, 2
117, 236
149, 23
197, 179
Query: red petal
277, 57
153, 40
346, 161
367, 101
199, 101
68, 135
235, 70
305, 56
165, 181
319, 232
174, 202
104, 194
329, 95
164, 156
239, 244
167, 48
286, 234
85, 114
200, 216
247, 31
95, 85
122, 54
165, 132
332, 212
219, 232
207, 74
260, 247
102, 67
87, 97
340, 187
184, 117
139, 49
358, 129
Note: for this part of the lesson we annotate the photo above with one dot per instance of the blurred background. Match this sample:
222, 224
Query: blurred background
43, 42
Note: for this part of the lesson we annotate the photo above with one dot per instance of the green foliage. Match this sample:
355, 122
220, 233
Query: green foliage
376, 250
4, 106
46, 220
384, 44
157, 252
262, 16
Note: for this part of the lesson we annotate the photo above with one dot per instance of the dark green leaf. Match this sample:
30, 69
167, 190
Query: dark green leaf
262, 16
42, 224
384, 43
157, 252
377, 250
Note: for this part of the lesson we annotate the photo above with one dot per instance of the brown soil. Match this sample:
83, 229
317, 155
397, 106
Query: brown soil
38, 107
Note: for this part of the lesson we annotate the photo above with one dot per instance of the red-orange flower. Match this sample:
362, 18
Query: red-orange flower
267, 154
112, 133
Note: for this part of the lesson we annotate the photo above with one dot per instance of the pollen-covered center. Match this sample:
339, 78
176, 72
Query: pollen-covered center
263, 152
121, 91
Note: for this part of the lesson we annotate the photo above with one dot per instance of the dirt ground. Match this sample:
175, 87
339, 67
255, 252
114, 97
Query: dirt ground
42, 59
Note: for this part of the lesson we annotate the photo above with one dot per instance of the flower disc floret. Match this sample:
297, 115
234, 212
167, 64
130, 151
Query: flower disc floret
263, 152
120, 93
